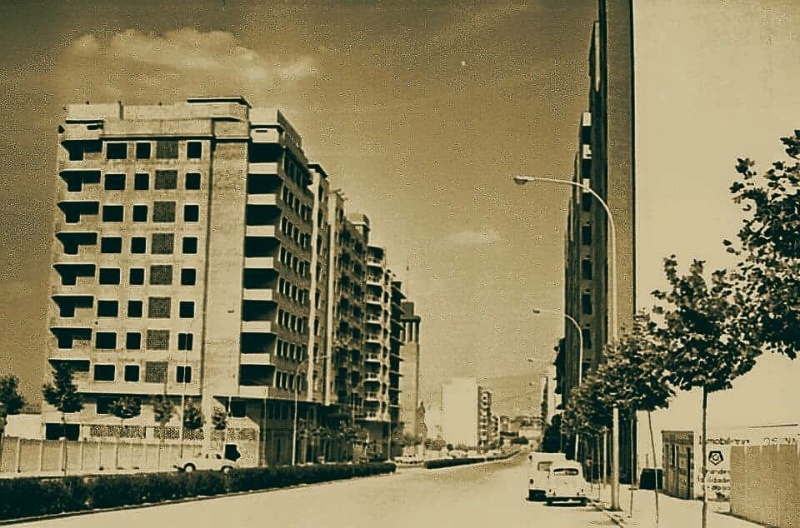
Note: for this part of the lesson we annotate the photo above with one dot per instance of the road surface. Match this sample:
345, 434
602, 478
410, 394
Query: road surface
485, 495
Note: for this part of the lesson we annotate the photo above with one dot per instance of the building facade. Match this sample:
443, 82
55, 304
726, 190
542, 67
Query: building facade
199, 256
411, 408
605, 163
461, 412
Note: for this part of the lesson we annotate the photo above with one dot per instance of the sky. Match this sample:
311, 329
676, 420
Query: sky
420, 111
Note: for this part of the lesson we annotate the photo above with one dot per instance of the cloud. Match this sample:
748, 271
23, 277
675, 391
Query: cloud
131, 64
475, 238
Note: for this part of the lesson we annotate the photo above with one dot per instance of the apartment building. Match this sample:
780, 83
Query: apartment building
198, 255
605, 163
486, 426
411, 409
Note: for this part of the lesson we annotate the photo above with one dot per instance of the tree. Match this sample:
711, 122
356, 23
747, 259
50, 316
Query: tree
705, 343
768, 272
552, 440
219, 419
163, 410
62, 394
9, 394
193, 420
124, 408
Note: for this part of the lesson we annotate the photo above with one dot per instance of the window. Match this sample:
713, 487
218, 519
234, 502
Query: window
186, 309
109, 276
131, 373
104, 372
140, 213
141, 181
159, 307
133, 341
586, 235
105, 341
142, 150
113, 213
136, 276
135, 308
191, 213
111, 245
104, 405
160, 275
238, 408
188, 276
586, 269
183, 374
587, 338
190, 245
157, 339
166, 179
192, 181
185, 341
138, 245
107, 308
194, 150
163, 211
116, 151
586, 202
586, 303
167, 149
115, 182
155, 371
163, 243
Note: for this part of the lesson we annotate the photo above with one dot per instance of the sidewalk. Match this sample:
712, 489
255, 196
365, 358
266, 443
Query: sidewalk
672, 512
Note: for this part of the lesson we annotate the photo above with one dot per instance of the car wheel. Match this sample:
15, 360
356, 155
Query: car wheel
531, 495
226, 469
584, 502
188, 468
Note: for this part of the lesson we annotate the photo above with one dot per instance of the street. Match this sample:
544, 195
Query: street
481, 495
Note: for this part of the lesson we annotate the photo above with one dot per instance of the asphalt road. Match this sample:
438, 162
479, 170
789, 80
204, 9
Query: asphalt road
485, 495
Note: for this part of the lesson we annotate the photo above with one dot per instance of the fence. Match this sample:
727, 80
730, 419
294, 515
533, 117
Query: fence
28, 456
765, 484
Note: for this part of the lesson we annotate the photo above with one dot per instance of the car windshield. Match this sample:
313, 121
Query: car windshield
566, 472
544, 466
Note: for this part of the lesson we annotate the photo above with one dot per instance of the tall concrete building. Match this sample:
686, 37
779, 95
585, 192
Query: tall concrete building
410, 404
486, 425
198, 255
604, 162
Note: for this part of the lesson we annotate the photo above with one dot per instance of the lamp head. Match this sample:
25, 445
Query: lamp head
521, 180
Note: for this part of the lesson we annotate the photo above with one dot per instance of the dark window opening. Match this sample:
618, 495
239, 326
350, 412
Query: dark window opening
115, 182
185, 341
138, 245
105, 341
192, 181
107, 308
586, 202
191, 213
141, 182
109, 276
587, 338
136, 276
140, 213
111, 245
190, 245
133, 341
586, 269
135, 308
188, 276
186, 309
143, 151
238, 408
586, 235
113, 213
183, 374
586, 303
131, 373
116, 151
194, 150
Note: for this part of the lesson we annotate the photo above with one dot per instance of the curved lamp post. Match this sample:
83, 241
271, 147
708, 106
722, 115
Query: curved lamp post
539, 311
522, 180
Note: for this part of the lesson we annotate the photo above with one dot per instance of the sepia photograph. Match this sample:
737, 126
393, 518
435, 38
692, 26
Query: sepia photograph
368, 263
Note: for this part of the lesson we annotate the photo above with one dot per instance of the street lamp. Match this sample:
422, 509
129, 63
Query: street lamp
522, 180
538, 311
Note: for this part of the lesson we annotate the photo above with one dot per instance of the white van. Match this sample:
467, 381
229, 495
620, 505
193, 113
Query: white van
539, 471
565, 482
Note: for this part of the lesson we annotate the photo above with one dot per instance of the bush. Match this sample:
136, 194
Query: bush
71, 494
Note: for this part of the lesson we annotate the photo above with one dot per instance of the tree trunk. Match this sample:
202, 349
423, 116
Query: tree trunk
64, 461
655, 469
705, 461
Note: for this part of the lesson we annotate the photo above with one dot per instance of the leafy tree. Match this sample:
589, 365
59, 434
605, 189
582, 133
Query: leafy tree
193, 418
163, 410
552, 440
62, 393
707, 347
124, 408
768, 272
219, 419
9, 394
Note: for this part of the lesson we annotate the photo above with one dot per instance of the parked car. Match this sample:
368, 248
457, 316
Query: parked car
209, 461
539, 472
565, 482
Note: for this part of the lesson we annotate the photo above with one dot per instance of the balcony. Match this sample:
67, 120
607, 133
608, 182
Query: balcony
372, 357
262, 199
257, 326
260, 230
255, 263
255, 359
264, 294
263, 168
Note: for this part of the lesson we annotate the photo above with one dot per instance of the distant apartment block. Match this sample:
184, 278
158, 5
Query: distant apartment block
467, 414
199, 255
